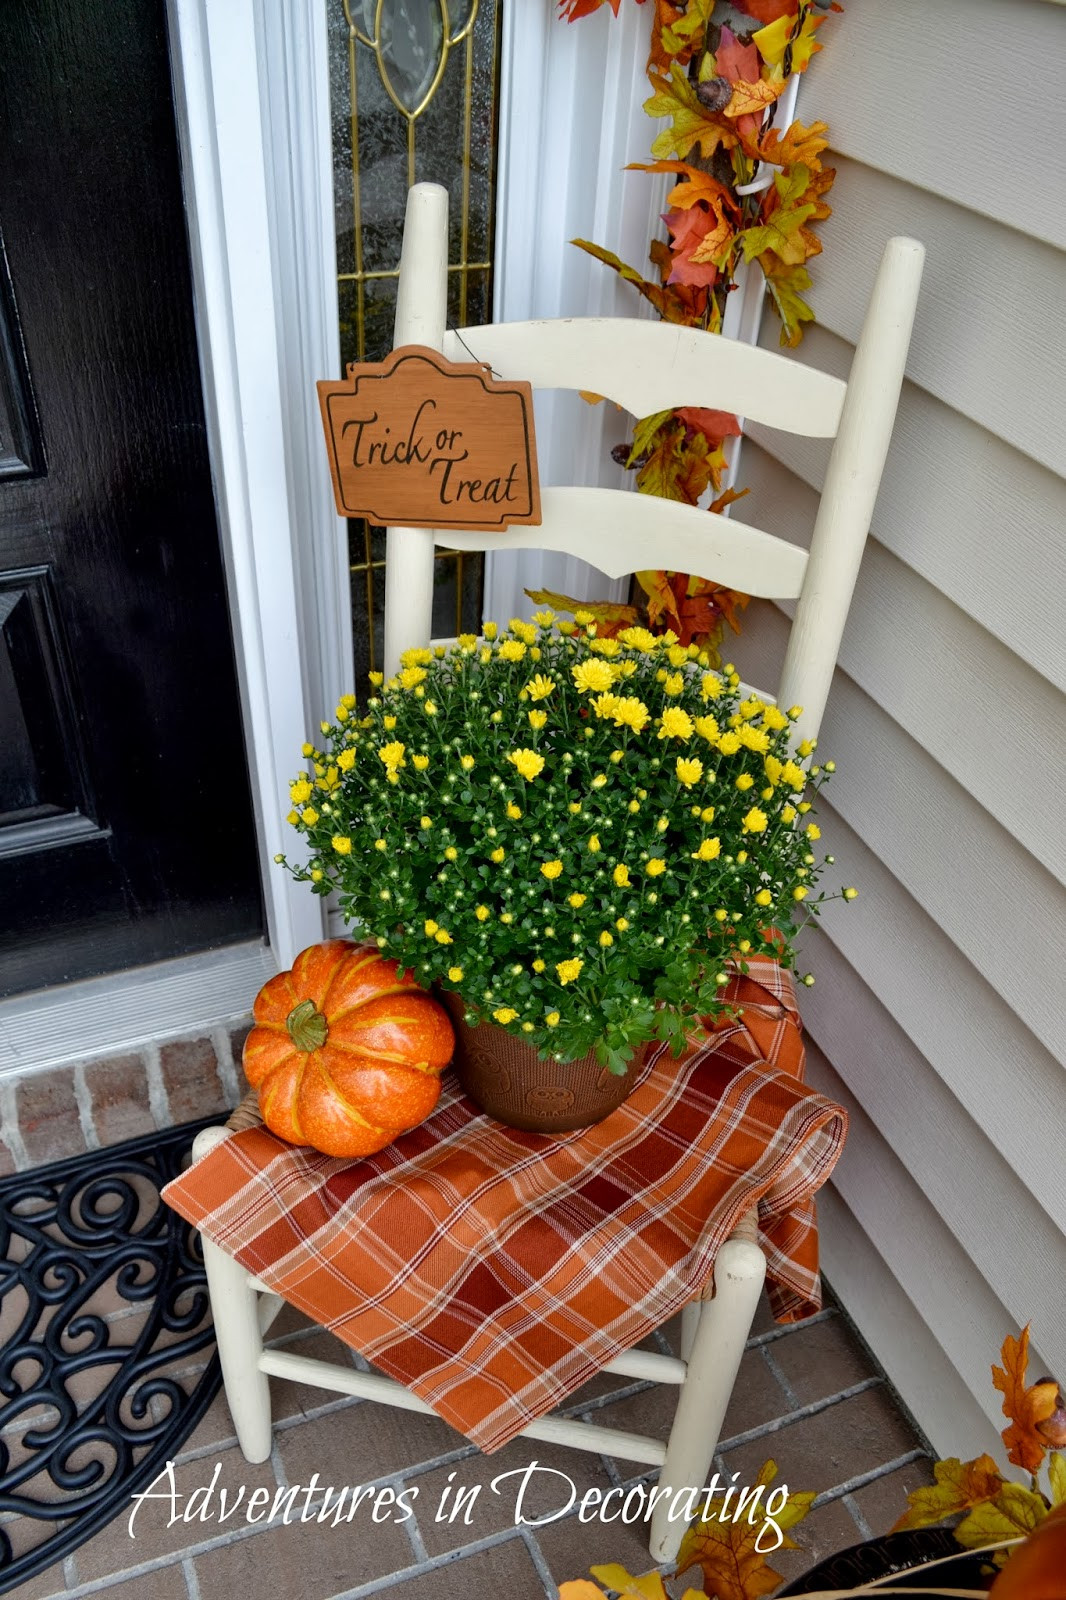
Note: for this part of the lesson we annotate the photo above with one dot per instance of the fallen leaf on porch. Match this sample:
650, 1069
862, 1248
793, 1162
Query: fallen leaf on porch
959, 1486
614, 1576
725, 1551
1026, 1407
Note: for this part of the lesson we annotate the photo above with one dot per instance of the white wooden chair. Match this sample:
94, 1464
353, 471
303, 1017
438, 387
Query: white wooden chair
645, 367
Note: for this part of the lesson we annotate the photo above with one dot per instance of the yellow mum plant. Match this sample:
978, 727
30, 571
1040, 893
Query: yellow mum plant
585, 875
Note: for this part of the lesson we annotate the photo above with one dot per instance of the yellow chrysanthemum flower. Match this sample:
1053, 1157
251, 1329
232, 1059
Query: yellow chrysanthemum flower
812, 830
711, 686
467, 763
592, 677
497, 855
466, 642
851, 894
775, 719
577, 900
430, 927
537, 719
552, 869
788, 813
604, 704
709, 850
545, 618
800, 893
594, 843
299, 791
606, 938
675, 724
773, 769
621, 923
316, 874
482, 913
764, 898
674, 684
329, 780
806, 748
512, 650
455, 974
392, 754
309, 815
655, 867
639, 639
490, 630
540, 687
707, 814
505, 1014
689, 772
745, 781
605, 647
527, 762
426, 822
794, 776
410, 676
754, 738
629, 712
346, 760
342, 844
599, 780
803, 807
523, 630
707, 728
442, 937
538, 965
380, 844
621, 876
420, 763
570, 970
451, 854
754, 821
729, 744
293, 818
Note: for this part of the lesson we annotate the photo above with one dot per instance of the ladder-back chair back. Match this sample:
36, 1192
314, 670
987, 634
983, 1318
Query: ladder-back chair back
645, 367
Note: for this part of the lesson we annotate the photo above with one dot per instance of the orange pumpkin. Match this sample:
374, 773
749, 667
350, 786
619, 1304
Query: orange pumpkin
346, 1051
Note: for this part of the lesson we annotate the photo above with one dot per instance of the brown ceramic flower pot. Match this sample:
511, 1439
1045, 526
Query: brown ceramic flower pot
510, 1081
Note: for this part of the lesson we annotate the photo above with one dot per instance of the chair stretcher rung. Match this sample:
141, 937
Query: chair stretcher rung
372, 1386
648, 1364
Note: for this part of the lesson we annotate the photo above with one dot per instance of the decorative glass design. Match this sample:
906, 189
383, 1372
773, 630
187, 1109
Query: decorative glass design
414, 98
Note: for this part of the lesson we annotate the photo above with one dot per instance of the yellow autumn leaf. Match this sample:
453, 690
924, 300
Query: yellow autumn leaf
580, 1589
773, 40
691, 124
959, 1486
1056, 1471
614, 1576
1013, 1514
750, 99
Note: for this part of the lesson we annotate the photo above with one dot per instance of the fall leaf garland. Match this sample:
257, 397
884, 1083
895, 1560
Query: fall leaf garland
718, 90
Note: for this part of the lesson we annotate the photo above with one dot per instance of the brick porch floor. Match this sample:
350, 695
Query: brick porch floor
808, 1396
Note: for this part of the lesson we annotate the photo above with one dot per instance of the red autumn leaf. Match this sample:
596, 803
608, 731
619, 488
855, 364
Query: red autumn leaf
573, 9
1025, 1407
765, 11
714, 425
735, 61
688, 230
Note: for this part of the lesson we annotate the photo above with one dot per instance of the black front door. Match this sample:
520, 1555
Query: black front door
125, 822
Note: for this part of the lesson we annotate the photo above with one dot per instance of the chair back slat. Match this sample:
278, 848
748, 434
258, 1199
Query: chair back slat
657, 366
620, 532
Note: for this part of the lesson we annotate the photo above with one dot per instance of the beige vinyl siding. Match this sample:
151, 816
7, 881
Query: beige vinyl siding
939, 1012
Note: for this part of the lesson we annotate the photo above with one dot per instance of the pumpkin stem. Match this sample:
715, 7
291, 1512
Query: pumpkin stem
307, 1027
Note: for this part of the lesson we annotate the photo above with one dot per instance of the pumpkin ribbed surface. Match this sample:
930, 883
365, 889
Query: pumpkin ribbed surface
346, 1051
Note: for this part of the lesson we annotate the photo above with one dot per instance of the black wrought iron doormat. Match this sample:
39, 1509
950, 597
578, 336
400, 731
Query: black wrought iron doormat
105, 1329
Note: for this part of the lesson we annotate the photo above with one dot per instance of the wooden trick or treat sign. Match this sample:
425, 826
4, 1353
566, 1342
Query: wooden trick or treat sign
422, 442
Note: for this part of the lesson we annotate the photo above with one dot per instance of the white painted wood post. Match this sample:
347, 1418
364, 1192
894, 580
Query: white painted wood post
717, 1348
421, 318
235, 1309
851, 484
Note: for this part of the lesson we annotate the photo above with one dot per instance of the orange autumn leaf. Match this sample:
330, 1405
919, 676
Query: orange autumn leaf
660, 55
749, 98
573, 9
580, 1589
797, 143
727, 498
765, 11
725, 1551
699, 186
660, 602
712, 424
608, 613
959, 1486
1025, 1407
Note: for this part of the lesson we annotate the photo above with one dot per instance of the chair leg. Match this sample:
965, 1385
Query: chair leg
235, 1307
690, 1321
718, 1344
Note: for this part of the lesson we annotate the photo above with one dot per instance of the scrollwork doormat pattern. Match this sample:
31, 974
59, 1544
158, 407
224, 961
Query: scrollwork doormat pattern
105, 1329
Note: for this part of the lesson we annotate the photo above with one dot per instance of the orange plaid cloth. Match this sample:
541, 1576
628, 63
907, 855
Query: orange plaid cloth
493, 1271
